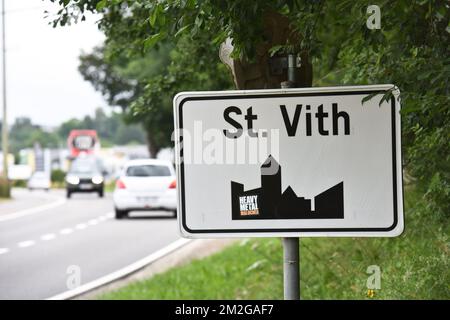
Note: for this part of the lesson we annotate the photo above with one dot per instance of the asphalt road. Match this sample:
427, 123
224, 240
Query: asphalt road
71, 242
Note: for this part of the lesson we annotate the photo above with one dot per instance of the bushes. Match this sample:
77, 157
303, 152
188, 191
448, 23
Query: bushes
5, 191
428, 159
18, 183
57, 177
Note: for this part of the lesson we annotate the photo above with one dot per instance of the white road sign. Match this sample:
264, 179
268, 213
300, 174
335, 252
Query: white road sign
289, 162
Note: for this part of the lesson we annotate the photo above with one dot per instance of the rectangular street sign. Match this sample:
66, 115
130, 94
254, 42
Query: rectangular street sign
289, 162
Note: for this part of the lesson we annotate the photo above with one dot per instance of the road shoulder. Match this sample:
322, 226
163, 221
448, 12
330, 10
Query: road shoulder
23, 202
194, 250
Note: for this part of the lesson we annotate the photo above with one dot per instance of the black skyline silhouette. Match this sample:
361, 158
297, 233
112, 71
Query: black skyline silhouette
273, 204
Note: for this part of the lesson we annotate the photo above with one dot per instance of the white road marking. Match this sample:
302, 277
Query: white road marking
27, 212
66, 231
92, 222
48, 236
25, 244
81, 226
109, 215
122, 272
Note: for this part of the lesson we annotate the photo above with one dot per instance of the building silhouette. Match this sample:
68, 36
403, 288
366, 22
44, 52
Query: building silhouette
268, 202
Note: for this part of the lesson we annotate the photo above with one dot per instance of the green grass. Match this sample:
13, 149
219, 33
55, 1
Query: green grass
110, 186
413, 266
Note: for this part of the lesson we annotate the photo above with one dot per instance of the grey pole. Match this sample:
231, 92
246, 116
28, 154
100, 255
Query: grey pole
4, 119
291, 268
291, 246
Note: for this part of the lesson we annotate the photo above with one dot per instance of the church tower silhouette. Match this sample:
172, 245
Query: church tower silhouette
270, 186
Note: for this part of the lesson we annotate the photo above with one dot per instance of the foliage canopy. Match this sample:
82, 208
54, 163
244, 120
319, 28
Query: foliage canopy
410, 50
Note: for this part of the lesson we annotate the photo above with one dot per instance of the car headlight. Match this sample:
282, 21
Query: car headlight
97, 179
72, 179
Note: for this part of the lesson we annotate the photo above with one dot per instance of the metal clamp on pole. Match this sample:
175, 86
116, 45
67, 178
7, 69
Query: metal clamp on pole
291, 72
291, 246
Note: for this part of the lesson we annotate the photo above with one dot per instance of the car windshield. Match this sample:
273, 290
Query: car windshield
148, 171
84, 167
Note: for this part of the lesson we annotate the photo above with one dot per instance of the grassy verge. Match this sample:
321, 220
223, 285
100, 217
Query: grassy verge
5, 189
413, 266
110, 186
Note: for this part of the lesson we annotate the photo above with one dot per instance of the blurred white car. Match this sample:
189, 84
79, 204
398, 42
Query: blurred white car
146, 184
39, 180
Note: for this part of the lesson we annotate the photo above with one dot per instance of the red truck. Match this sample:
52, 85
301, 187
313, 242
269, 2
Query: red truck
82, 142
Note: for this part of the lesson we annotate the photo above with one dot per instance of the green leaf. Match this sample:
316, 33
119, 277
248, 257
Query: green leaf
220, 37
152, 40
275, 49
370, 96
181, 30
101, 5
386, 97
154, 16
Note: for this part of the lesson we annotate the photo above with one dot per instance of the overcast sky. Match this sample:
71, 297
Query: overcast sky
43, 82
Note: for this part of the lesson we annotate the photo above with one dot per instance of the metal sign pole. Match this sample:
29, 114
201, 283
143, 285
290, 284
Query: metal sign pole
291, 246
291, 268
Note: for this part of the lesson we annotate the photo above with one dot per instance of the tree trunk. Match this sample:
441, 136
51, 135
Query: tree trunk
152, 145
261, 74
